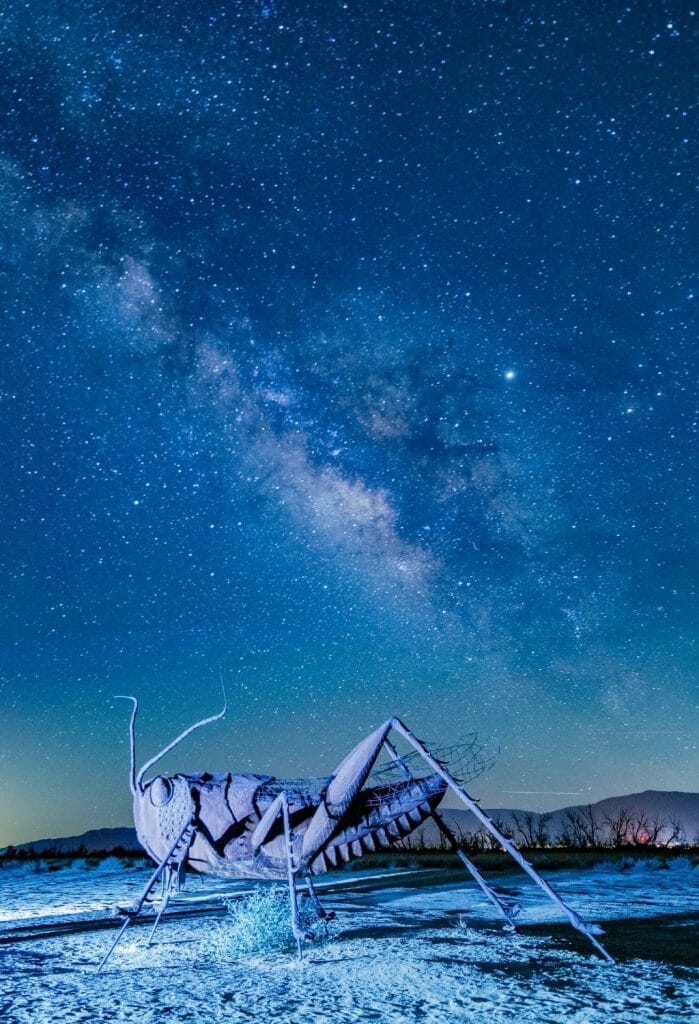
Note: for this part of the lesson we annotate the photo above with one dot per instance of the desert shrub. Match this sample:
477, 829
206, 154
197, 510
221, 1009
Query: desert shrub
261, 923
630, 863
106, 864
24, 868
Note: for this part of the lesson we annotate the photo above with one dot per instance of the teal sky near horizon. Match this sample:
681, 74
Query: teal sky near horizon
349, 352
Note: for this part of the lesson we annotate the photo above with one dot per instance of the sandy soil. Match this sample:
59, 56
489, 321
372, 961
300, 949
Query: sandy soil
415, 947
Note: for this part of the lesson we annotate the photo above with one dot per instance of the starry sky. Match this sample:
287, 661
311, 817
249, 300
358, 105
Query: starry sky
349, 351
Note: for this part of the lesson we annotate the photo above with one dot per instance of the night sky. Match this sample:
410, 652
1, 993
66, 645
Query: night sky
349, 350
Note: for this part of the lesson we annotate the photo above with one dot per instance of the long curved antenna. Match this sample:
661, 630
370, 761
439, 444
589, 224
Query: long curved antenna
132, 739
183, 735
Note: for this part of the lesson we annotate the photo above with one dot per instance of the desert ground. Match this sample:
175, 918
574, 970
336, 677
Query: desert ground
406, 945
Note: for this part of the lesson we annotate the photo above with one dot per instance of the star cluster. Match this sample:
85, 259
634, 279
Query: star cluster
349, 350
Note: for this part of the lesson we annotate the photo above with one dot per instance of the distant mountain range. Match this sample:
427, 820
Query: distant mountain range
640, 811
96, 839
681, 809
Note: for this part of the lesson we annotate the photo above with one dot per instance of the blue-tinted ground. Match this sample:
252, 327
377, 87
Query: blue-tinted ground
422, 948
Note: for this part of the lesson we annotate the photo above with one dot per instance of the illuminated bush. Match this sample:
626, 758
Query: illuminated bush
261, 923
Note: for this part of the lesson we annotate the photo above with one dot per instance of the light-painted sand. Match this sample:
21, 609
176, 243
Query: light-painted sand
398, 955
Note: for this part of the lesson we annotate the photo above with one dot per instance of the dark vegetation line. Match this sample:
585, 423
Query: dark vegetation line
494, 860
581, 829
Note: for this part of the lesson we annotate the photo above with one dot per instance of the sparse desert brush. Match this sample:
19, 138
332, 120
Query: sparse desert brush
105, 864
22, 868
261, 923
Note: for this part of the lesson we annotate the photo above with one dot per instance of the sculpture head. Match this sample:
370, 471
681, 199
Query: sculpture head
162, 805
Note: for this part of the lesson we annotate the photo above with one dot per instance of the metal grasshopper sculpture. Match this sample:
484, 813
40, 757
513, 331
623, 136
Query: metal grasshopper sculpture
257, 826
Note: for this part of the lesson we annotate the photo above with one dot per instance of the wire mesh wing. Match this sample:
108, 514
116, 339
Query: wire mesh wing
465, 760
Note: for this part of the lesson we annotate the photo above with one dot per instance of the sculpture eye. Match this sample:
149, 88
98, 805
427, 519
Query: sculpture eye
160, 791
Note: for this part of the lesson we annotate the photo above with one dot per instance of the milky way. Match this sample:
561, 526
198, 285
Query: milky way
349, 351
